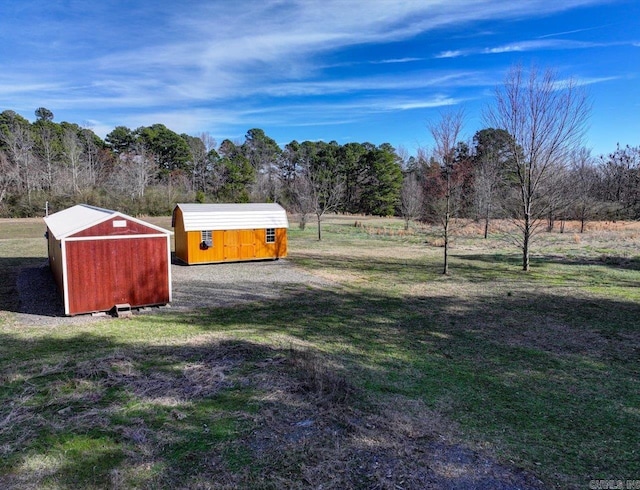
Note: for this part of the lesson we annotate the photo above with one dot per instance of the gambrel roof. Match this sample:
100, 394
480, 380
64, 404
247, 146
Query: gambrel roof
198, 217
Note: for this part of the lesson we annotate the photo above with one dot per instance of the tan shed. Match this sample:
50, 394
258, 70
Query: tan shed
208, 233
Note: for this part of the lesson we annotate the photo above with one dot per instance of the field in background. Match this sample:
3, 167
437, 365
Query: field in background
397, 376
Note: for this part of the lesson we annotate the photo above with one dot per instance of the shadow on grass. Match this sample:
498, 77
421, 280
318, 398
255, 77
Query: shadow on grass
88, 411
546, 380
403, 268
476, 268
612, 261
27, 286
236, 413
545, 377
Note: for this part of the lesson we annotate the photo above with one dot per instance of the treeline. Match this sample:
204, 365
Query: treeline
485, 180
149, 169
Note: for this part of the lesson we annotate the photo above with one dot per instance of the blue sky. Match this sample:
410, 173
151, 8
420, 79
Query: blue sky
369, 70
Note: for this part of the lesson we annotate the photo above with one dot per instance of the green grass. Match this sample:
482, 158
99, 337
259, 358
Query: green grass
537, 370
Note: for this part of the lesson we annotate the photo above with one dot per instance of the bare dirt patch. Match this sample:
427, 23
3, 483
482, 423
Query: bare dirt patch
228, 284
200, 286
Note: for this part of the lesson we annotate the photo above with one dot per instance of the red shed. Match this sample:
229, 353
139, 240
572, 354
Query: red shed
102, 259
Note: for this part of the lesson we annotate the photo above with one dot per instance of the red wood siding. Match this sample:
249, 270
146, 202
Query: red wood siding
103, 273
108, 229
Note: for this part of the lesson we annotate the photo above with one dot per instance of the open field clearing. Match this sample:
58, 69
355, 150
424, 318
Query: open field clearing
378, 372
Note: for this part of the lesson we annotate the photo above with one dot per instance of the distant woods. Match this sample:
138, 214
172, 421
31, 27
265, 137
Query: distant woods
149, 169
145, 171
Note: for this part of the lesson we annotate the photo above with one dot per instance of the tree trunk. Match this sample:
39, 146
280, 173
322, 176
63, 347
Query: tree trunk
526, 237
319, 229
445, 269
486, 223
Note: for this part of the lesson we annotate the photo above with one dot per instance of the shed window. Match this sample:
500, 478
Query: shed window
206, 239
271, 235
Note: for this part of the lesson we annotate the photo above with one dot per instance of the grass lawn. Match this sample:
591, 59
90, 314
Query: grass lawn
396, 377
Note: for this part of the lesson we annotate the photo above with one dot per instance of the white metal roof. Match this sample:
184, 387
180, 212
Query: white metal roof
81, 216
198, 217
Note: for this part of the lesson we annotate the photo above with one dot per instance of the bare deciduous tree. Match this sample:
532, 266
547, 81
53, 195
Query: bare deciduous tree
584, 179
200, 149
301, 200
318, 193
621, 181
411, 201
47, 152
20, 145
8, 176
72, 152
547, 119
90, 159
557, 198
135, 171
445, 133
492, 154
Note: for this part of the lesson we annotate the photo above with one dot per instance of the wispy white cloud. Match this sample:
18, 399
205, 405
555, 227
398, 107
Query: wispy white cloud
419, 80
521, 46
436, 101
11, 89
574, 31
397, 60
213, 52
585, 81
217, 64
355, 110
451, 54
538, 45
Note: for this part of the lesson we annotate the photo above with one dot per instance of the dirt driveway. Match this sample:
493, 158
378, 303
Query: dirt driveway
216, 285
197, 286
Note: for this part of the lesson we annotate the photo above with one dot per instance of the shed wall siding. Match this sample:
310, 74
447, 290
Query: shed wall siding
107, 228
103, 273
233, 245
55, 261
279, 248
180, 238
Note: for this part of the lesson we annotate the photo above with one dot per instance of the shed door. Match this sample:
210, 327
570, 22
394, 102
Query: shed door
121, 268
247, 244
231, 245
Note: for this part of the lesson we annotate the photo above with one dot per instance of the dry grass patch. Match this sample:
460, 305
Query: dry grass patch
234, 412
